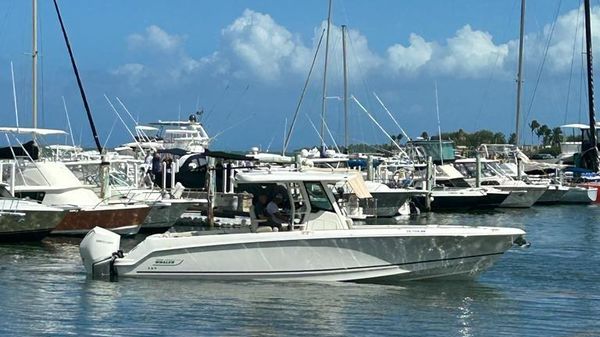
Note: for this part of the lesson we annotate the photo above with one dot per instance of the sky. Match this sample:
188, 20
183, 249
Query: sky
245, 64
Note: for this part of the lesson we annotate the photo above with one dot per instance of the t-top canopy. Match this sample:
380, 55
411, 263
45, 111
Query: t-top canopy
37, 131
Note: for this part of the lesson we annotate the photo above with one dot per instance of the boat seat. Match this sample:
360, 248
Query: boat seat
255, 221
263, 229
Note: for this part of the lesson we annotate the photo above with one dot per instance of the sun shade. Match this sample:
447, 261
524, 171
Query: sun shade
358, 186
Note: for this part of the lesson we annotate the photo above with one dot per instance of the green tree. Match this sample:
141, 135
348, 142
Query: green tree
534, 125
557, 136
424, 135
547, 136
499, 138
513, 139
541, 132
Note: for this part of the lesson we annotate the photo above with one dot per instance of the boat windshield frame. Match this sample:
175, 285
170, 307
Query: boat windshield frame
318, 202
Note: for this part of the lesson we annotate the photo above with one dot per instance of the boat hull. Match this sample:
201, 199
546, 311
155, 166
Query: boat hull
163, 216
521, 196
388, 203
580, 195
553, 195
388, 255
596, 186
123, 221
462, 202
28, 226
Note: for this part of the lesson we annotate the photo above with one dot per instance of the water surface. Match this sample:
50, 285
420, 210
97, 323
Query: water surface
550, 289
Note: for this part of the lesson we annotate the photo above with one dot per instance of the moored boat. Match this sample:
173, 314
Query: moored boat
321, 245
580, 195
25, 220
53, 184
463, 199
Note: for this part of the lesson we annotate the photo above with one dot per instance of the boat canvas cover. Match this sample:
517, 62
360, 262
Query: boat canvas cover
359, 187
28, 148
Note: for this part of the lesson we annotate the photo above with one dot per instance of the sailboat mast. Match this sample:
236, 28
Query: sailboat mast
79, 83
34, 57
323, 102
520, 72
593, 164
437, 111
345, 88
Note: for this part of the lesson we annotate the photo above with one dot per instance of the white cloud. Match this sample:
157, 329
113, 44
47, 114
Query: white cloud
155, 38
129, 69
165, 58
470, 53
410, 59
361, 59
132, 72
565, 41
258, 45
255, 47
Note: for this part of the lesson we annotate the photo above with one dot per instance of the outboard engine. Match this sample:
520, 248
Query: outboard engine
98, 250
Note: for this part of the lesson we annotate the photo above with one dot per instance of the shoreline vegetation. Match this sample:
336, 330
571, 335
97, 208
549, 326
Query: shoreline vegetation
543, 140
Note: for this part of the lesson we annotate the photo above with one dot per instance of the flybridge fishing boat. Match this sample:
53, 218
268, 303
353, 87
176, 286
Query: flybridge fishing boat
26, 220
188, 135
53, 184
321, 244
166, 206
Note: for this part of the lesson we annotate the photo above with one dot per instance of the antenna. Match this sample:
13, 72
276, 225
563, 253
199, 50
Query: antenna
68, 121
323, 102
12, 72
437, 110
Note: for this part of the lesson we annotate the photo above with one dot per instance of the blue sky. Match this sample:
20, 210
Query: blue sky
245, 63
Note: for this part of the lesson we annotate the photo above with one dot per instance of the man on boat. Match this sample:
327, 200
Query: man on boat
156, 167
277, 216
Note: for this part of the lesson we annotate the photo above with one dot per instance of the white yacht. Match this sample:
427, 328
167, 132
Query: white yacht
321, 244
188, 135
522, 195
53, 184
166, 206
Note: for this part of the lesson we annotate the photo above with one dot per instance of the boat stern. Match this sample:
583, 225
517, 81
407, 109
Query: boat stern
98, 250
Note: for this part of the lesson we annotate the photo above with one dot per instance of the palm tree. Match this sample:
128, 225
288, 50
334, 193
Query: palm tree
547, 136
541, 131
534, 125
557, 136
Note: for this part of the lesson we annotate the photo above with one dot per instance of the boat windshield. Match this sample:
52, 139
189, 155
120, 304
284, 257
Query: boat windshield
319, 201
4, 193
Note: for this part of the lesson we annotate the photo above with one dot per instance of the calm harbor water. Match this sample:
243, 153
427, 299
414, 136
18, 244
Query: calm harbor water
549, 289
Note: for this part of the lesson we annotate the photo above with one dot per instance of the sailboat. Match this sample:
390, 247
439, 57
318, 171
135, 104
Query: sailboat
588, 158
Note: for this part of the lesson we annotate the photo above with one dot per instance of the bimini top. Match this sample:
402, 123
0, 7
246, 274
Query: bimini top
579, 126
173, 123
37, 131
274, 176
145, 128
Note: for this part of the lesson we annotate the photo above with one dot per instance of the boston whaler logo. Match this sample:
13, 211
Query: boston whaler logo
167, 262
